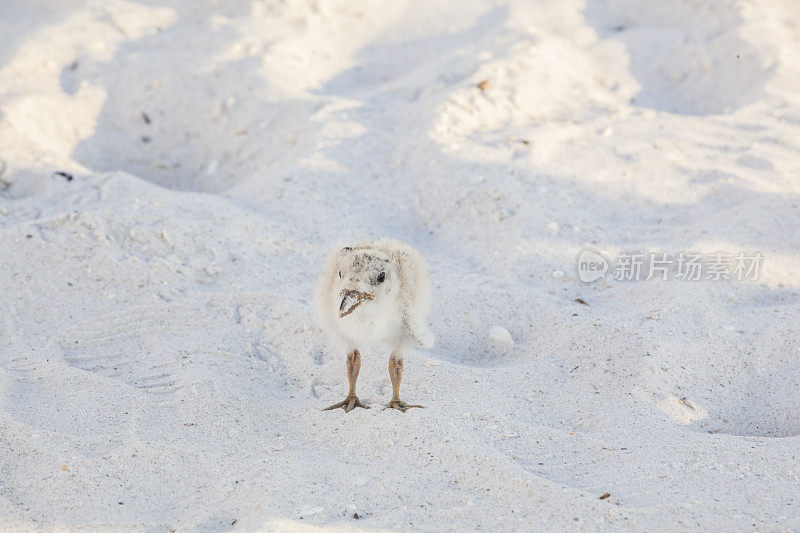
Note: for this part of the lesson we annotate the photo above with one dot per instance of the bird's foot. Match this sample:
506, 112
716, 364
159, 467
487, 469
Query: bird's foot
401, 405
348, 404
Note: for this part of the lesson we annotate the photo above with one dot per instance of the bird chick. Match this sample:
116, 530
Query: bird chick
375, 293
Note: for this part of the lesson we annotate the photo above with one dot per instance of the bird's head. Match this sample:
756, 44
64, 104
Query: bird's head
365, 277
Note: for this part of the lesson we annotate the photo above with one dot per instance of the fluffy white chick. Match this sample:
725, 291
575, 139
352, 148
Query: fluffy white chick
375, 293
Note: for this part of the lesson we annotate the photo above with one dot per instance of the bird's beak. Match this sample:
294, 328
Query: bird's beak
352, 299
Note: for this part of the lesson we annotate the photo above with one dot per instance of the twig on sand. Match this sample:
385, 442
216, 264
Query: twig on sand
66, 175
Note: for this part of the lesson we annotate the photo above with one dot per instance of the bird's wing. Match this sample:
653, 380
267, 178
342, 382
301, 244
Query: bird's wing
421, 334
416, 289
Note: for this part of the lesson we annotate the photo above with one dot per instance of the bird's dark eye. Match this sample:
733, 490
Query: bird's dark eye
340, 274
381, 277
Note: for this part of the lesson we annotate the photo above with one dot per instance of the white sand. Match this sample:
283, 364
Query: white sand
159, 363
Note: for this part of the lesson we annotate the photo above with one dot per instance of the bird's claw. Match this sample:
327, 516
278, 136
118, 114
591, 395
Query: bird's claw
401, 406
348, 404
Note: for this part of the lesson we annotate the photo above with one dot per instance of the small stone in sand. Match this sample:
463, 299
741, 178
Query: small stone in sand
501, 335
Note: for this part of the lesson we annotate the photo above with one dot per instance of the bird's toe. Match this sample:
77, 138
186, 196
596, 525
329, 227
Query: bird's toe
348, 404
401, 406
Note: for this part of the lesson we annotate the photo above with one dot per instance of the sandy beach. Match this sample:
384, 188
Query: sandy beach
174, 173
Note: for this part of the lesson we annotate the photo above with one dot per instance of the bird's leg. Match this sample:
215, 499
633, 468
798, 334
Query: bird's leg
396, 374
352, 401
